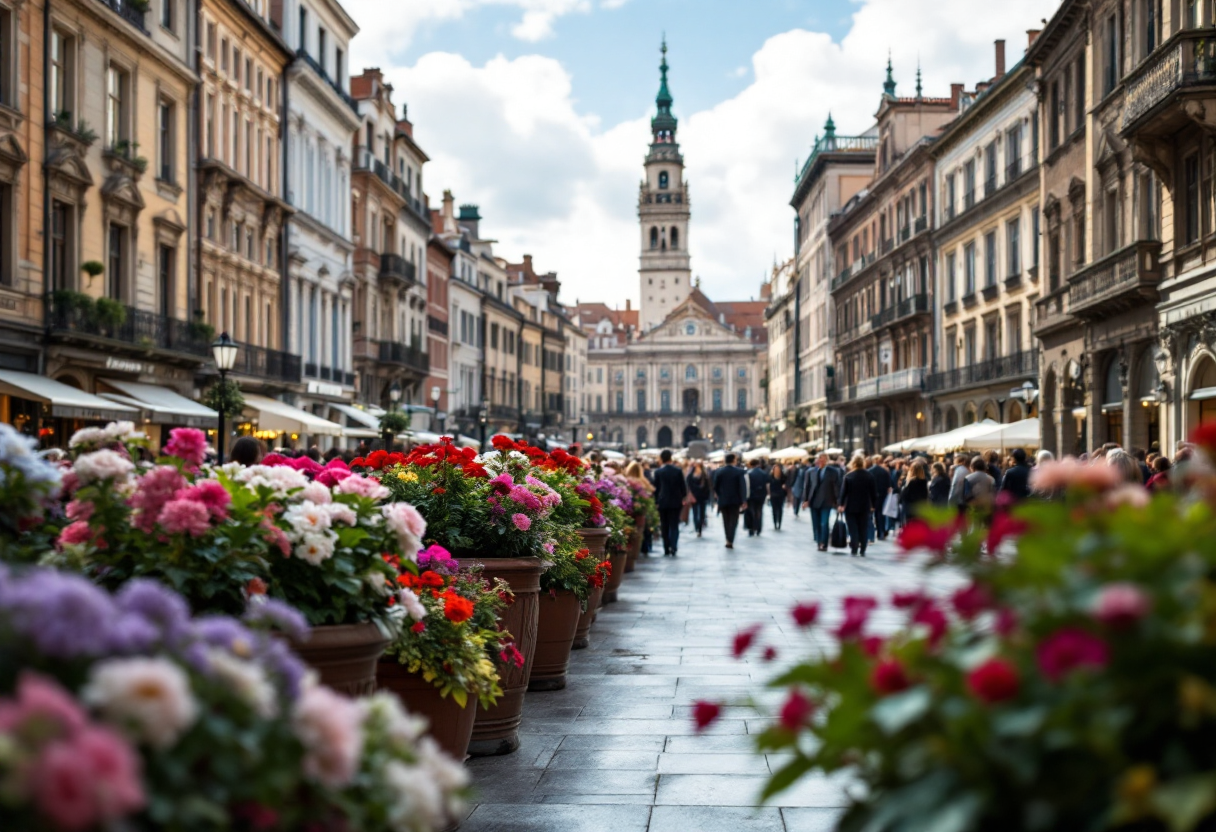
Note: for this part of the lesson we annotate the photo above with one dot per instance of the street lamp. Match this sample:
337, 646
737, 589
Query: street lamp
439, 417
483, 417
224, 352
394, 396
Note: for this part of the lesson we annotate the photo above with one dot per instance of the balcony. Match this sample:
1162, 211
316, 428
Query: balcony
898, 383
846, 336
263, 363
129, 12
365, 160
990, 186
1120, 281
503, 413
1052, 314
905, 234
1007, 368
948, 214
403, 355
915, 305
68, 318
887, 245
316, 67
397, 267
436, 326
969, 199
1182, 68
922, 222
1012, 171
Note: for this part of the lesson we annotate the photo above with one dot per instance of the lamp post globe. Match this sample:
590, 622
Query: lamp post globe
223, 350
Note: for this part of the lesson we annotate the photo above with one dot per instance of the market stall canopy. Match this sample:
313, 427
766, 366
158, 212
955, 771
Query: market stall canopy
66, 402
422, 437
358, 415
612, 455
1023, 434
163, 406
904, 446
812, 445
951, 440
272, 414
467, 442
716, 456
833, 452
790, 454
758, 453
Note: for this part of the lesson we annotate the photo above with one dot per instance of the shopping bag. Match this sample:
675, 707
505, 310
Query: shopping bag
840, 534
891, 507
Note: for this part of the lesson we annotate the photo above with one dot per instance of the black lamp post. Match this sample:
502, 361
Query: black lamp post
483, 416
435, 394
394, 396
223, 350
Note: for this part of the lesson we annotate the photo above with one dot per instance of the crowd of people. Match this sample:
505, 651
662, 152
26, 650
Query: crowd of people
870, 497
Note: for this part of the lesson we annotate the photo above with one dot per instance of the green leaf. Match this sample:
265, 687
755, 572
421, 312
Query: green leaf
785, 777
1184, 802
894, 713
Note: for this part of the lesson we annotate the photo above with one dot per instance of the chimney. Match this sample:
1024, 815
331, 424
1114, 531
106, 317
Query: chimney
470, 218
448, 201
956, 92
628, 304
1000, 60
1031, 36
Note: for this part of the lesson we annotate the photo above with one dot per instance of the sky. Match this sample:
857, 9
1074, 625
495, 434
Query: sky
538, 111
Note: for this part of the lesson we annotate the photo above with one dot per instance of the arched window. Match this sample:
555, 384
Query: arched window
663, 180
690, 329
675, 238
654, 237
1113, 393
690, 373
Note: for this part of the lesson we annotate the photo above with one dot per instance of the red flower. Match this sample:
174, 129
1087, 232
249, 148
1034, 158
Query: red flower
1069, 649
375, 460
918, 534
357, 462
1121, 605
931, 615
994, 681
770, 653
872, 645
970, 601
1003, 526
476, 469
1006, 622
1205, 437
744, 639
889, 676
503, 443
857, 611
256, 586
796, 711
418, 627
439, 490
456, 608
431, 579
805, 614
582, 554
705, 714
510, 654
391, 559
908, 600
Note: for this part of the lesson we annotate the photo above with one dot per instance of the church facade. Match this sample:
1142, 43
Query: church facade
680, 367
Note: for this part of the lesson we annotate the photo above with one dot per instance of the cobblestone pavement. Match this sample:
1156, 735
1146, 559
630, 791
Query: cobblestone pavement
616, 749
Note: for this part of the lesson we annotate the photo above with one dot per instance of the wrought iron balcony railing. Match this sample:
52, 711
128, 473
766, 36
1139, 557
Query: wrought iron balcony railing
1005, 368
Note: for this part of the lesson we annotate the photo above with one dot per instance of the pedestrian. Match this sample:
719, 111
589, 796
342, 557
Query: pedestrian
730, 488
669, 493
1126, 464
822, 494
797, 484
1160, 480
939, 486
858, 496
958, 483
757, 491
247, 450
699, 487
778, 493
915, 492
883, 486
635, 472
994, 467
980, 486
1016, 481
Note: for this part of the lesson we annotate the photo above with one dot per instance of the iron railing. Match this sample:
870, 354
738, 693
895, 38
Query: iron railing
1123, 278
317, 68
914, 305
1187, 60
394, 265
901, 381
1005, 368
260, 362
129, 12
138, 328
406, 355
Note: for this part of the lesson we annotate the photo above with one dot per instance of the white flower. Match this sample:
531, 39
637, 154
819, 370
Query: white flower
316, 548
384, 712
330, 727
151, 698
341, 513
247, 680
88, 437
414, 801
448, 774
413, 607
307, 517
102, 465
279, 479
408, 524
123, 431
316, 492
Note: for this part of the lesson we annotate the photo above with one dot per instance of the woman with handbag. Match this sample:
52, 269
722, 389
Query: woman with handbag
699, 489
778, 491
858, 498
915, 492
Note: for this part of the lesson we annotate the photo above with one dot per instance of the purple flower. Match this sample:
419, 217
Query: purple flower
273, 613
157, 604
278, 658
221, 631
66, 616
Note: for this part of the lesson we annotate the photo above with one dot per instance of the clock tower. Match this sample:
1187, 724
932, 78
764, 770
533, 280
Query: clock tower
663, 213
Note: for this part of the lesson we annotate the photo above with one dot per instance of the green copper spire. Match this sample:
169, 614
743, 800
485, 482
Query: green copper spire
918, 88
888, 86
829, 127
663, 99
663, 125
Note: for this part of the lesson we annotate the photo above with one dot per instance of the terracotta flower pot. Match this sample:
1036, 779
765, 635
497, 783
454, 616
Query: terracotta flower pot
594, 539
344, 655
449, 724
618, 575
496, 729
582, 638
558, 619
635, 541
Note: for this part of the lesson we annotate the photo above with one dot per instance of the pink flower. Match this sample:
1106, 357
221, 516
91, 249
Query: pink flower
154, 489
79, 510
360, 486
188, 445
918, 534
116, 771
87, 780
1121, 604
805, 614
521, 521
337, 463
404, 519
274, 459
743, 640
332, 476
305, 464
209, 493
970, 601
185, 517
705, 714
994, 681
931, 616
75, 533
330, 727
1074, 474
796, 711
42, 701
276, 537
1069, 649
857, 611
1005, 526
908, 600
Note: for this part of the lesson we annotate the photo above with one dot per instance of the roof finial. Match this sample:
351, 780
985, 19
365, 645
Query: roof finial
888, 86
918, 90
829, 128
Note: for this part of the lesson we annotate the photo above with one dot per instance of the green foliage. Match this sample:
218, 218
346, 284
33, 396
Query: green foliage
202, 331
92, 268
109, 313
224, 397
395, 422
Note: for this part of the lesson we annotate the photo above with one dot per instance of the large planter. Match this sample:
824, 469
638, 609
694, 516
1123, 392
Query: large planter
582, 637
619, 560
496, 729
635, 541
594, 539
344, 656
448, 724
558, 619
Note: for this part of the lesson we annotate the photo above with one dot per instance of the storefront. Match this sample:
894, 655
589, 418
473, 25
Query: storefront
281, 425
161, 409
52, 411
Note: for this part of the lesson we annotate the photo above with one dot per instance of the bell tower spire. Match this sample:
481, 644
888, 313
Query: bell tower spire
665, 272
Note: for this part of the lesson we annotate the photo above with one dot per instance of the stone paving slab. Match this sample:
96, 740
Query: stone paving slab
617, 749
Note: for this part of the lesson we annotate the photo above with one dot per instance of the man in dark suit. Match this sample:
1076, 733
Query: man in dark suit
882, 486
1017, 478
757, 490
822, 493
669, 493
730, 488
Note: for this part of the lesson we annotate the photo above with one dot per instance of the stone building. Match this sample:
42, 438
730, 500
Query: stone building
438, 329
780, 319
838, 168
883, 293
987, 184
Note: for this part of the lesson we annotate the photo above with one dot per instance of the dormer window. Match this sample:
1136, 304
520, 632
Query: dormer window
663, 180
690, 329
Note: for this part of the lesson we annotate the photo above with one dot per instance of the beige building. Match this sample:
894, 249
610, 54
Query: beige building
987, 183
778, 412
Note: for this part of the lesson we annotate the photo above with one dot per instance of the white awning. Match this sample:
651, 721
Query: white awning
360, 433
1203, 394
272, 414
66, 401
1021, 434
757, 453
361, 416
787, 454
164, 406
467, 442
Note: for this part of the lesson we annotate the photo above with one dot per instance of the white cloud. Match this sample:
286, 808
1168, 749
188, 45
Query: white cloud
551, 181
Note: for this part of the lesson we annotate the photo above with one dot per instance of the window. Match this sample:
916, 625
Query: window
665, 401
248, 74
116, 106
63, 77
1013, 154
1079, 101
165, 257
236, 65
116, 267
951, 280
1055, 113
1013, 332
1034, 235
690, 373
61, 273
654, 237
223, 54
663, 180
166, 13
742, 372
620, 401
1110, 74
716, 399
1013, 246
968, 270
211, 42
209, 126
8, 54
599, 372
599, 402
641, 401
339, 67
690, 329
1191, 198
990, 169
990, 259
164, 148
1152, 20
323, 49
968, 184
675, 243
302, 31
741, 398
992, 339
